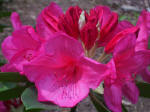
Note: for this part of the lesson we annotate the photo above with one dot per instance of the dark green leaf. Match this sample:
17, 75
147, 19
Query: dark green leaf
73, 109
2, 63
149, 43
124, 108
98, 102
6, 85
12, 77
11, 93
144, 89
122, 17
4, 14
33, 110
29, 99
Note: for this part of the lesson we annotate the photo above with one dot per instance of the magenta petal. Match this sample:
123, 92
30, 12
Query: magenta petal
119, 27
62, 93
33, 72
113, 98
3, 108
141, 59
42, 29
8, 48
106, 15
61, 45
93, 72
15, 19
131, 91
23, 38
124, 54
144, 32
57, 10
48, 19
8, 68
40, 66
125, 48
135, 63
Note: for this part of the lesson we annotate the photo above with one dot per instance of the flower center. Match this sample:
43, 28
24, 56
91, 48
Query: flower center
69, 71
29, 55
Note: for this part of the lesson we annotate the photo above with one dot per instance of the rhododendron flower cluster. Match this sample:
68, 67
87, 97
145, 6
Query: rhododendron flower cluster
57, 56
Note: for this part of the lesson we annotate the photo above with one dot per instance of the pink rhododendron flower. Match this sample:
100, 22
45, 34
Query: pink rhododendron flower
62, 74
120, 81
125, 62
21, 47
52, 57
142, 40
143, 35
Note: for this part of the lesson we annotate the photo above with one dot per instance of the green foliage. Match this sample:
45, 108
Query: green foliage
29, 99
98, 102
124, 108
73, 109
11, 93
4, 14
144, 89
6, 85
10, 85
149, 43
12, 77
132, 17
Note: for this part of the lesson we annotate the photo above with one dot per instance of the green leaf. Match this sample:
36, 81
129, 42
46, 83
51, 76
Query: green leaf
11, 93
149, 43
12, 77
6, 85
2, 63
98, 102
73, 109
29, 99
4, 14
124, 108
34, 110
122, 17
144, 89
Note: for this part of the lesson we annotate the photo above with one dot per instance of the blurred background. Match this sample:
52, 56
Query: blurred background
29, 10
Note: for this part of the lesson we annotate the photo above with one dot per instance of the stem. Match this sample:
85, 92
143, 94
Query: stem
101, 57
93, 97
92, 51
87, 53
73, 109
98, 101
